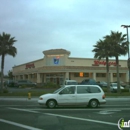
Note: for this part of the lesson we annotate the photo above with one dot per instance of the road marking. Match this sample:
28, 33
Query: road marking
69, 117
19, 125
124, 105
26, 110
105, 112
117, 105
78, 109
82, 119
67, 109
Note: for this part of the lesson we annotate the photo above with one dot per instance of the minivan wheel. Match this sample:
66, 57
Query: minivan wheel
51, 104
93, 103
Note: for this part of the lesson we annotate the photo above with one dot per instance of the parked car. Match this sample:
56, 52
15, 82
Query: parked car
123, 84
88, 95
28, 83
113, 87
71, 82
10, 83
102, 83
89, 82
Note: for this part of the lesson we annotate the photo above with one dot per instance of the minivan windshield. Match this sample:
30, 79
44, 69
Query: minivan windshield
56, 91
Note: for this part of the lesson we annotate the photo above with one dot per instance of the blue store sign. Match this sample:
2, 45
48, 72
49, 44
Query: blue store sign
56, 60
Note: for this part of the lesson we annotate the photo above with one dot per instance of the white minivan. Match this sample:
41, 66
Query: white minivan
88, 95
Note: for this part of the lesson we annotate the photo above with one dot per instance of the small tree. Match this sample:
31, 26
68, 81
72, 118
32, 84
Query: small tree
10, 74
6, 48
119, 47
102, 50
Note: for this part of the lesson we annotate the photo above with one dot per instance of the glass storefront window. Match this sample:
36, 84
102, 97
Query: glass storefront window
56, 78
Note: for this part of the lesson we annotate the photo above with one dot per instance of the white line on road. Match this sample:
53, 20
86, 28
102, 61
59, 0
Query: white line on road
69, 117
124, 105
26, 110
82, 119
78, 109
67, 109
19, 125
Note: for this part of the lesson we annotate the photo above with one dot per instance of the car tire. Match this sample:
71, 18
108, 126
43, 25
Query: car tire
94, 103
51, 104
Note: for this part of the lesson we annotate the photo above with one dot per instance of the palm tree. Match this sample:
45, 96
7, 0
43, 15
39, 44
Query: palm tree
119, 47
102, 50
6, 48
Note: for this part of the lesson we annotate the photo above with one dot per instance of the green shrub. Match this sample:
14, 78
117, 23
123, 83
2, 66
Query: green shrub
23, 86
125, 90
51, 85
122, 90
5, 91
104, 89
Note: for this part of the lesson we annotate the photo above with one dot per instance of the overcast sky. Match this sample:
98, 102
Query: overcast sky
74, 25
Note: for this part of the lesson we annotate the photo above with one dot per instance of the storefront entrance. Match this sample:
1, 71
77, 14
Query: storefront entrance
57, 78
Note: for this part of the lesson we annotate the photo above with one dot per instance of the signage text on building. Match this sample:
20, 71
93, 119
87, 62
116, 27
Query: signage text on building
30, 65
98, 62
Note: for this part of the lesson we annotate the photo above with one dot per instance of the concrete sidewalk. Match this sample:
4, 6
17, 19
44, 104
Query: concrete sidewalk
124, 98
15, 98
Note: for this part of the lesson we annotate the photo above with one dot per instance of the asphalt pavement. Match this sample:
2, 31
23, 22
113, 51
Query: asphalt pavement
21, 113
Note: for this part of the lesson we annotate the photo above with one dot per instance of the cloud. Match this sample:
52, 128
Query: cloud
74, 25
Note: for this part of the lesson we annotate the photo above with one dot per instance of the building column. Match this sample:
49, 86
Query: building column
94, 76
42, 78
25, 76
127, 77
18, 77
38, 78
67, 76
29, 77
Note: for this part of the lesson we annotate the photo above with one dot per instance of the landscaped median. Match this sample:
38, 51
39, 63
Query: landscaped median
40, 91
25, 91
124, 92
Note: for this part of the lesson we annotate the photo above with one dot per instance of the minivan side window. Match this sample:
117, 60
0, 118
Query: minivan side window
87, 89
95, 90
83, 89
68, 90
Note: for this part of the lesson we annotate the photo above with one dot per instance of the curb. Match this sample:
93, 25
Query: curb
126, 98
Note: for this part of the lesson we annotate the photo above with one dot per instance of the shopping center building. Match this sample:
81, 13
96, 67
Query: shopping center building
57, 66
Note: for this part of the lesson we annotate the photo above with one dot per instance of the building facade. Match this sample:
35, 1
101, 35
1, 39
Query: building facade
56, 66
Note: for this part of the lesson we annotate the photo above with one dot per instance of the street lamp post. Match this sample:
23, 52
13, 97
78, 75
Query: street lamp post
128, 62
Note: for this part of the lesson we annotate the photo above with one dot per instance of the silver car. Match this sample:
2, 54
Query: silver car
113, 87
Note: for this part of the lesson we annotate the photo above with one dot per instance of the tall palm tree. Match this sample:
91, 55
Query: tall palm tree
6, 48
102, 50
119, 46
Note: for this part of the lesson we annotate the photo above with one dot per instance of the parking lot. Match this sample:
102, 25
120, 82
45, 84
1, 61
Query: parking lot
24, 114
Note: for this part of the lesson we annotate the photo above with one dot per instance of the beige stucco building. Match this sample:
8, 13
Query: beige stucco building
56, 66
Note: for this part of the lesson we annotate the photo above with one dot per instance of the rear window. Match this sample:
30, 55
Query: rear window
87, 89
95, 90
